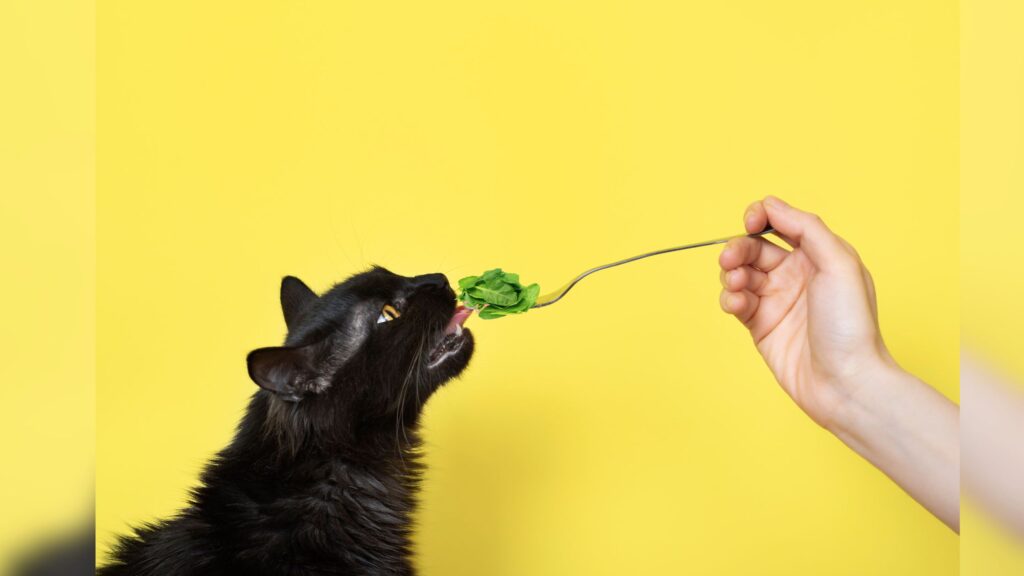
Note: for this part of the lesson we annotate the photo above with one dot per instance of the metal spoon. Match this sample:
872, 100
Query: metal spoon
557, 295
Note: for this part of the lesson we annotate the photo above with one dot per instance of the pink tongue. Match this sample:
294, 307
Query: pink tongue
458, 319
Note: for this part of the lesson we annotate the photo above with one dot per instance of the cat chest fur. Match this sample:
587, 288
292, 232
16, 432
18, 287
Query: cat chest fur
341, 514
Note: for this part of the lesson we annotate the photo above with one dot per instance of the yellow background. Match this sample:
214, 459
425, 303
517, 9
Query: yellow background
992, 180
631, 429
47, 272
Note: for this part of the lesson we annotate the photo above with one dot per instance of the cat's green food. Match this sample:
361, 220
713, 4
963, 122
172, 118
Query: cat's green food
495, 294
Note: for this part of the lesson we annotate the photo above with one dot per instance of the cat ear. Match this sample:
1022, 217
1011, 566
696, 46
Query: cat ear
295, 298
287, 372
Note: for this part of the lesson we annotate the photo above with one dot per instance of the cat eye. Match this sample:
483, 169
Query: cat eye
387, 314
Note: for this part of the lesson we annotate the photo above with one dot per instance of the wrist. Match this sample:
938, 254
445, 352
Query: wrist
865, 394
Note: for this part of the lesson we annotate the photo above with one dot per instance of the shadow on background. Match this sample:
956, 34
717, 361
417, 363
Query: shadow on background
69, 555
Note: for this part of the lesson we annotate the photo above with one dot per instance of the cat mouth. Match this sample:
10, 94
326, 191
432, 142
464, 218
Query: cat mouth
452, 339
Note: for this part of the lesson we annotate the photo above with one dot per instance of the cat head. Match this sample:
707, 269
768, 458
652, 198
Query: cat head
369, 351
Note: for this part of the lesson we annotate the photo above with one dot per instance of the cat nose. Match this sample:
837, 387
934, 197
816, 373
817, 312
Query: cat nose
430, 281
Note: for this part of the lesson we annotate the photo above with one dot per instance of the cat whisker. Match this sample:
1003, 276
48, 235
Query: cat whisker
400, 417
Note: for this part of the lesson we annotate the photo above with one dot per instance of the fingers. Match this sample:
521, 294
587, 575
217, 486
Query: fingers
808, 232
744, 278
755, 219
742, 304
756, 252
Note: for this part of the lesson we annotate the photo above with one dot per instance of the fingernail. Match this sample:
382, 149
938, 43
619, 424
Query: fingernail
733, 302
729, 276
774, 202
748, 216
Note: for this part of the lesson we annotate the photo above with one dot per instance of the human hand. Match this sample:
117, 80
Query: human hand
811, 311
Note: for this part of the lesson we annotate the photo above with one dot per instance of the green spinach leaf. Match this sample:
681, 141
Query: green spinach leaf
496, 293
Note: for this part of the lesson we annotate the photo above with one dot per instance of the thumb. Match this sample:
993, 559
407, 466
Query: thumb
807, 232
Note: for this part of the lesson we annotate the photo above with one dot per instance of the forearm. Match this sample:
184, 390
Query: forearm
909, 431
993, 442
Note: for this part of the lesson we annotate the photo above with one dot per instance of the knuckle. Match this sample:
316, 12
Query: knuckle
759, 280
850, 266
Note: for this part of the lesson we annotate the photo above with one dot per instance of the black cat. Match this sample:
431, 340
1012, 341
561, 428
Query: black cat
322, 473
